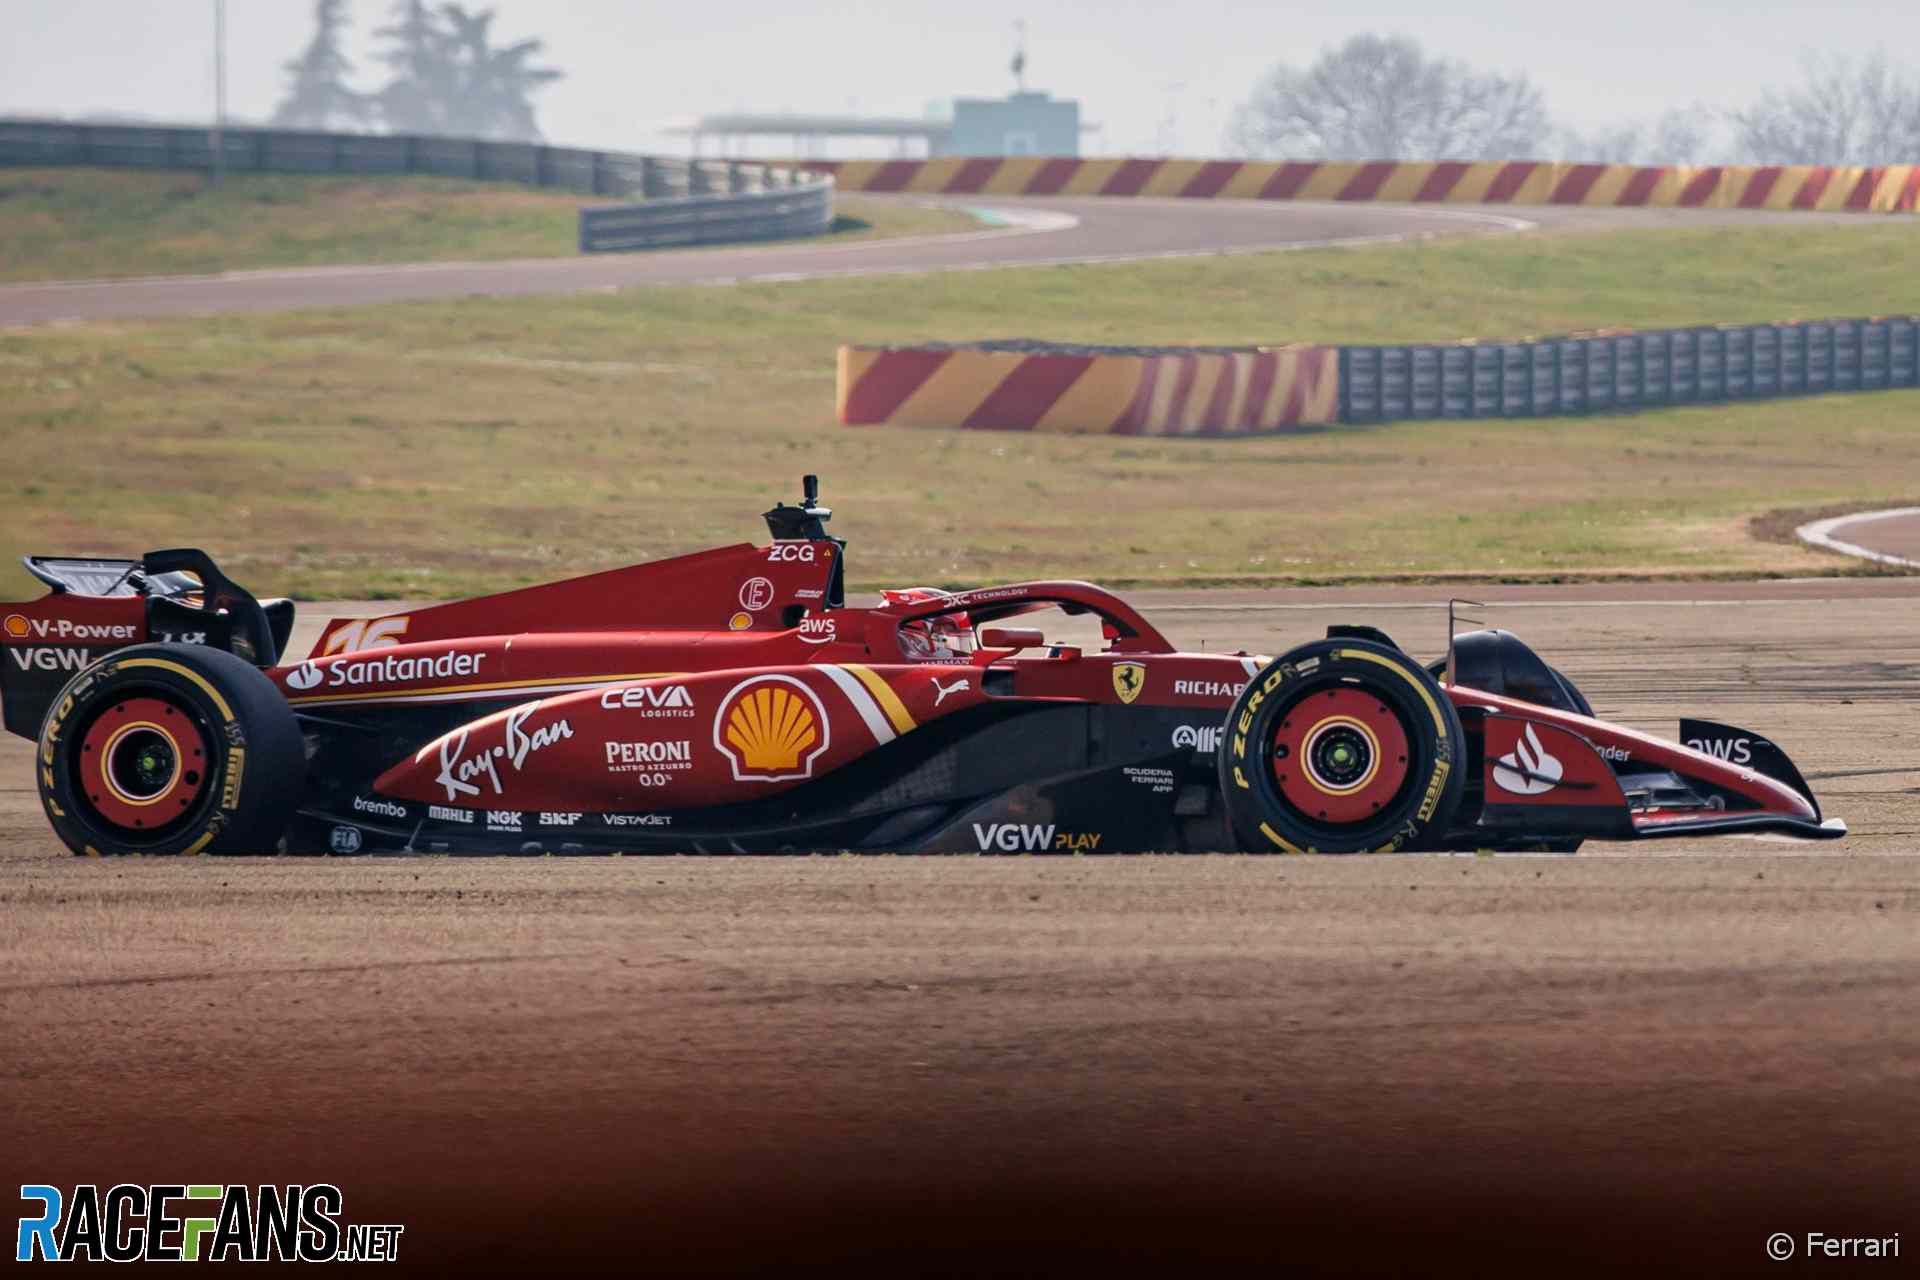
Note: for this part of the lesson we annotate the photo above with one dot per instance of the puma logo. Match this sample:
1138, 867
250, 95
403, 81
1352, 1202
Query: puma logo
941, 691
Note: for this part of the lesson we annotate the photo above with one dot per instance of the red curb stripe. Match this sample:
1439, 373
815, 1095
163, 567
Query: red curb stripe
1701, 186
1182, 389
1134, 416
1812, 189
1759, 187
1288, 180
1130, 177
1909, 197
1507, 183
973, 175
1365, 184
888, 381
1639, 188
1440, 183
1024, 395
894, 175
1266, 366
1579, 180
1052, 176
1212, 179
1214, 420
1861, 197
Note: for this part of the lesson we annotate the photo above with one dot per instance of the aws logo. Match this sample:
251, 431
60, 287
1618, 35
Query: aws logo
771, 729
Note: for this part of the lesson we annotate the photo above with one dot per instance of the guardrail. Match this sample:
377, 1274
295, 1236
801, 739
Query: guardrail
1620, 371
1173, 391
686, 201
793, 205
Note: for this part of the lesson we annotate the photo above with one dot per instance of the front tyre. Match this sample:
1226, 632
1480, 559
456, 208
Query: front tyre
170, 749
1342, 746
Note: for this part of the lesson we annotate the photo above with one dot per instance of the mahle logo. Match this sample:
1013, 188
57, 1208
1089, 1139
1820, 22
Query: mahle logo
186, 1222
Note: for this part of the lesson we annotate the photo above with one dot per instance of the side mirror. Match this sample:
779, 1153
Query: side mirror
1012, 637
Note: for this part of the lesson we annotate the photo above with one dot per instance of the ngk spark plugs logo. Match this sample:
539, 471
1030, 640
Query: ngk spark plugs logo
185, 1222
771, 729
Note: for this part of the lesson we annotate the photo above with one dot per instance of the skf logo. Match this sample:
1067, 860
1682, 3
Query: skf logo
771, 729
1129, 678
800, 552
367, 633
1019, 837
187, 1223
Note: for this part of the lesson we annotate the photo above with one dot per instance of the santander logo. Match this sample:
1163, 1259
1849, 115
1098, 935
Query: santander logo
1527, 770
303, 677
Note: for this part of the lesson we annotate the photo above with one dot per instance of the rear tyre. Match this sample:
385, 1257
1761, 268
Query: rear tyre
170, 749
1342, 746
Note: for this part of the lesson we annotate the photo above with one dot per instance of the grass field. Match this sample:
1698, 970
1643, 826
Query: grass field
65, 224
442, 448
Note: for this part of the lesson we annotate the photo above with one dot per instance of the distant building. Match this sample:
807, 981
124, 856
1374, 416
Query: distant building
1027, 124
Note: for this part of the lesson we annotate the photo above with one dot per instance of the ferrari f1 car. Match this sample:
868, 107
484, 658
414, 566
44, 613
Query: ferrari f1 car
732, 701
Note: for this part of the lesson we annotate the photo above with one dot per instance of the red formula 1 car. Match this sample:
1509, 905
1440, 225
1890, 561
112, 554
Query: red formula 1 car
732, 702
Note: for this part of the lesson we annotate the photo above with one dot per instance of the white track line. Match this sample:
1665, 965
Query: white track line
1820, 534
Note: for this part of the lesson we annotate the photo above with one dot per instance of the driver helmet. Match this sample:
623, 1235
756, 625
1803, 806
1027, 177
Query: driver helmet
945, 635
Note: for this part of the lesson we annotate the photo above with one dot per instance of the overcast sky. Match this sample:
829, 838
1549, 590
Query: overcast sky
1134, 64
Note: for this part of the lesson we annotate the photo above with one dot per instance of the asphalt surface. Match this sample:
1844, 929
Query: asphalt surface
1060, 230
1892, 536
1644, 1057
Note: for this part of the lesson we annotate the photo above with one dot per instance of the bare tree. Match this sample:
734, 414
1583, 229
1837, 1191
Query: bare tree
1382, 98
319, 97
1679, 135
1843, 112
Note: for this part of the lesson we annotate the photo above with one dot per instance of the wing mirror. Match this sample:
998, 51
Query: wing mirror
1012, 637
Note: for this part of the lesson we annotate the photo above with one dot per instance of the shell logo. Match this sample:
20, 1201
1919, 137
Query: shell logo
17, 626
771, 729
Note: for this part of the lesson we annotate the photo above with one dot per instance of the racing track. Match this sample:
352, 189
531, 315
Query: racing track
1651, 1055
1057, 231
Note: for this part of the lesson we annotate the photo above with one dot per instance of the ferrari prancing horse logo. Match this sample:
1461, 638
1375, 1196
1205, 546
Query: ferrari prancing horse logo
1129, 678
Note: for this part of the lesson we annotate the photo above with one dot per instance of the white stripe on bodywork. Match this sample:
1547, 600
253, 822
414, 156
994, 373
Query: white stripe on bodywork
862, 701
1252, 665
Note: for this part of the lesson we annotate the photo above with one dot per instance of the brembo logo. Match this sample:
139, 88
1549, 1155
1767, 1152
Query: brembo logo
1527, 770
383, 808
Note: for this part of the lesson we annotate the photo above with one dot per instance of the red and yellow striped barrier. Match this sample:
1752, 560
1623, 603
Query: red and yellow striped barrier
1888, 189
1172, 393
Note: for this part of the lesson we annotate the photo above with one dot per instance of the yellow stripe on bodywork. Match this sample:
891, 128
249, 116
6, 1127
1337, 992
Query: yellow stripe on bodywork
164, 665
884, 695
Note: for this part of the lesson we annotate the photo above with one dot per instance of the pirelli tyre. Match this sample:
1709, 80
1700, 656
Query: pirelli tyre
1342, 746
170, 749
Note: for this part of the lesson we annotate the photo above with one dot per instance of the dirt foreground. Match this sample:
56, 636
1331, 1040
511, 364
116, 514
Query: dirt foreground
1652, 1055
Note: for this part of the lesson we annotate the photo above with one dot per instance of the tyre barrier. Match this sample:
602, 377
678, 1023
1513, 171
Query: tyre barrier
1221, 391
1165, 391
1814, 188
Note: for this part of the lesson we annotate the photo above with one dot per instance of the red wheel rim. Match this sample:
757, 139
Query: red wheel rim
1339, 755
143, 763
